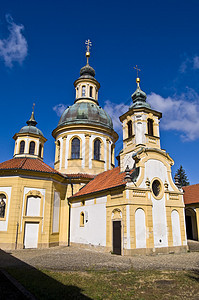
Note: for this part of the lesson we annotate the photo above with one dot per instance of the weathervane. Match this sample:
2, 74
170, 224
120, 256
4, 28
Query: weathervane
88, 45
137, 79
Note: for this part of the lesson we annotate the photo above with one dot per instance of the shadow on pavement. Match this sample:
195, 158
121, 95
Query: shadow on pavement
40, 285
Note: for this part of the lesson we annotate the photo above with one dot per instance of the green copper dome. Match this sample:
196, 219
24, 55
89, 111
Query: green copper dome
139, 97
85, 113
31, 127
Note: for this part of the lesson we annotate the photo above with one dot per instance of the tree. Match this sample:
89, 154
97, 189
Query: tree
182, 177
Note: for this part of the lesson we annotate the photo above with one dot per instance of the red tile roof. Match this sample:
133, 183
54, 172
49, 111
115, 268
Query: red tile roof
106, 180
80, 175
191, 194
29, 164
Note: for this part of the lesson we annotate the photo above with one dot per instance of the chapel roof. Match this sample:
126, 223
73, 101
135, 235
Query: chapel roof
31, 126
191, 193
104, 181
28, 164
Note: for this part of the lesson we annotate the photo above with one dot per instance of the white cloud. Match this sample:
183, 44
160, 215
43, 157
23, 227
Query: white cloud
115, 111
189, 63
15, 47
59, 109
196, 62
179, 113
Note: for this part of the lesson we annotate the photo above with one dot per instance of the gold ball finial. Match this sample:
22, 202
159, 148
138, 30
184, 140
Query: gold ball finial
138, 80
88, 45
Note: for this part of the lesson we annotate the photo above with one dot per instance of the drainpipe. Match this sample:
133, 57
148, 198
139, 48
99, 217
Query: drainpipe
69, 212
16, 235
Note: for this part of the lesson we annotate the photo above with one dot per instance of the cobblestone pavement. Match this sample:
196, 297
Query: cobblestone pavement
74, 258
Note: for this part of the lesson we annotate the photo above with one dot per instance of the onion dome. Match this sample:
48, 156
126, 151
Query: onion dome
31, 126
86, 113
139, 97
87, 70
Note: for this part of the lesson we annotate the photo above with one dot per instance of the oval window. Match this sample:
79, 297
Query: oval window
156, 187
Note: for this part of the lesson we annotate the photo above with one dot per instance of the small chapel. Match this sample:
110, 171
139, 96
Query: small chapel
134, 208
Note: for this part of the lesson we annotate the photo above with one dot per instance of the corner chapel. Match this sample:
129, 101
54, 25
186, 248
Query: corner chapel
133, 208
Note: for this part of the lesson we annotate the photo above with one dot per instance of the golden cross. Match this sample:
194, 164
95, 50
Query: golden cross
88, 45
136, 68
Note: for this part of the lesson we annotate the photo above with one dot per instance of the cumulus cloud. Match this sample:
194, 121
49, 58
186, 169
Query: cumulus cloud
59, 109
14, 48
179, 113
115, 111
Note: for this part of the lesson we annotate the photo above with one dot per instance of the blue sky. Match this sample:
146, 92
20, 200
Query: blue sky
42, 50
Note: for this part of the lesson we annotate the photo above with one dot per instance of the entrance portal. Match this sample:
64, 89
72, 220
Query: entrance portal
191, 224
117, 237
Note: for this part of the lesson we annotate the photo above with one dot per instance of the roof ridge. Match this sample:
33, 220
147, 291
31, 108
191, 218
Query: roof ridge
22, 163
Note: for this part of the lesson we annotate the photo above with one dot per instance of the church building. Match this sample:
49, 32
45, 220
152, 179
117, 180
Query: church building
85, 200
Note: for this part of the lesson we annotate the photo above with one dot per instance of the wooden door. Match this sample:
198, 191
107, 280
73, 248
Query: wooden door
117, 237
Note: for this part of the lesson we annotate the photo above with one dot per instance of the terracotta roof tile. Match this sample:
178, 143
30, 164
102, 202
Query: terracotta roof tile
25, 163
80, 175
191, 193
106, 180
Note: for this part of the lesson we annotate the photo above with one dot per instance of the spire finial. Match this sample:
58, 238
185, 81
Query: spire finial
31, 121
88, 45
137, 79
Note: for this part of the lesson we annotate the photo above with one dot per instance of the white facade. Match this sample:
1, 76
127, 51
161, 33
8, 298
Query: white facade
93, 230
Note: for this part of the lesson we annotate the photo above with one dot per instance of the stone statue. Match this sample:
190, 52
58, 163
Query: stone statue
2, 208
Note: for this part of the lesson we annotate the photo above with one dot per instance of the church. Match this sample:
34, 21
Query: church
134, 208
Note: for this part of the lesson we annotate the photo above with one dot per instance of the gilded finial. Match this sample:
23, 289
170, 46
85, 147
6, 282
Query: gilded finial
33, 107
137, 79
88, 45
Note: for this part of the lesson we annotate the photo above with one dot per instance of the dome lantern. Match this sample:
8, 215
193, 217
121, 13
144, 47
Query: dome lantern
29, 141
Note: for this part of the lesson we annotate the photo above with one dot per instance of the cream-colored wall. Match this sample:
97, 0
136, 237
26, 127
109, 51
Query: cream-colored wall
140, 137
86, 163
27, 139
21, 189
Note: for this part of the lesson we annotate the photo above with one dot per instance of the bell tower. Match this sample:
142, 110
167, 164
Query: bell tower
140, 127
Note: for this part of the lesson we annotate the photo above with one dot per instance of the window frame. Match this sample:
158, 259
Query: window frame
20, 147
74, 153
31, 152
97, 152
130, 128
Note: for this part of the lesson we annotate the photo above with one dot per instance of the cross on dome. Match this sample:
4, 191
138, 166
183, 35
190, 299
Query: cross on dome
88, 45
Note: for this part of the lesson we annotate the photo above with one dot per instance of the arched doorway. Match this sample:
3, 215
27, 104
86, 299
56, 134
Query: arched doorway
191, 224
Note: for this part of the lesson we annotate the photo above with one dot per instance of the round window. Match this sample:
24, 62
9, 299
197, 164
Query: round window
156, 187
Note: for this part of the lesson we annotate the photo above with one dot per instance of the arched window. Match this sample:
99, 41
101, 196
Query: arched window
2, 205
32, 148
129, 124
40, 150
82, 219
83, 91
75, 152
91, 91
150, 126
22, 147
97, 145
